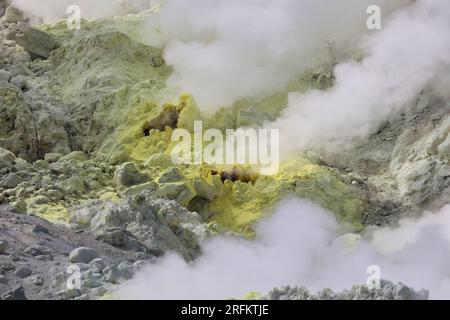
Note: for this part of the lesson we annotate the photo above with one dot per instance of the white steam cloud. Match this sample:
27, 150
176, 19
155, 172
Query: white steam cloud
54, 10
296, 246
409, 54
225, 50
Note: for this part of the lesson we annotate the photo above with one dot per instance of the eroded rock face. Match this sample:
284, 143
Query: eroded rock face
16, 133
421, 161
143, 223
31, 125
405, 166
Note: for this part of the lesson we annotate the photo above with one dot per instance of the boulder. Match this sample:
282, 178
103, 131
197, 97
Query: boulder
37, 43
14, 15
74, 156
83, 255
22, 272
3, 246
205, 190
128, 175
38, 200
7, 155
171, 175
5, 75
181, 192
10, 181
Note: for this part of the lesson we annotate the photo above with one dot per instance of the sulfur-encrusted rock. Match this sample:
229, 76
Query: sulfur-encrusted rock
52, 157
159, 160
22, 272
3, 246
41, 164
181, 192
205, 190
111, 274
97, 265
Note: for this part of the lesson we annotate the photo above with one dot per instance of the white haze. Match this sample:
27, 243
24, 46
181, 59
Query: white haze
225, 50
54, 10
407, 55
296, 246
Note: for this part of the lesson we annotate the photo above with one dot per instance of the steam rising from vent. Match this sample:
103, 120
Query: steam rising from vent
225, 50
409, 54
297, 246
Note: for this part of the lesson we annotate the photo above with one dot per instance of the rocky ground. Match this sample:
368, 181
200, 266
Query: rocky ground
35, 256
86, 180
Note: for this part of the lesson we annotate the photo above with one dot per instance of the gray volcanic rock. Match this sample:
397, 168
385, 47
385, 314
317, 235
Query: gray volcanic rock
36, 263
22, 272
142, 222
17, 293
387, 291
83, 255
405, 167
13, 15
128, 175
